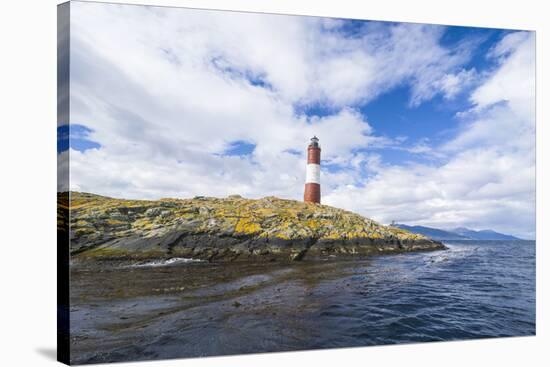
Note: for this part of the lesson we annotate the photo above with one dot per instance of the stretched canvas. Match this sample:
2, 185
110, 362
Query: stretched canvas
234, 182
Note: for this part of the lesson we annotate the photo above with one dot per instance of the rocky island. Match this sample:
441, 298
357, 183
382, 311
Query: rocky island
224, 229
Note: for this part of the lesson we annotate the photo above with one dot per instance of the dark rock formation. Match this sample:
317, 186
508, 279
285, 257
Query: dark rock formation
227, 229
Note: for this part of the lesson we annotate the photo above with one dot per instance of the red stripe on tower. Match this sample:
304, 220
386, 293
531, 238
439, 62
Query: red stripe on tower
312, 192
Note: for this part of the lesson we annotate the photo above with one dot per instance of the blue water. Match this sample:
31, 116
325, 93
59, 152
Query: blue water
475, 289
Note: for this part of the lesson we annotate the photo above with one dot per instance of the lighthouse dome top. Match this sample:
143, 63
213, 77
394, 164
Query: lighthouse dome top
315, 141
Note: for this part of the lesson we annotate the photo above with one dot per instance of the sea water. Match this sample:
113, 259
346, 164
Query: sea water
475, 289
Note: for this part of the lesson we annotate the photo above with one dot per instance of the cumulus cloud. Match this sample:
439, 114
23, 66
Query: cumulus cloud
452, 84
166, 92
488, 178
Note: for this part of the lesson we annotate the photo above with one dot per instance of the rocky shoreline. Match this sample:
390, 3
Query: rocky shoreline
226, 229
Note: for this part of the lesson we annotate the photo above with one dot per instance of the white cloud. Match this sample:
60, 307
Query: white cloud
514, 81
173, 86
452, 84
488, 179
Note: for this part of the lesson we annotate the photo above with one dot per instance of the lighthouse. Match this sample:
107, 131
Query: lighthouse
312, 192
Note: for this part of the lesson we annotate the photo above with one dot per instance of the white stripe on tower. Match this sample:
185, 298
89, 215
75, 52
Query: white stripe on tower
313, 173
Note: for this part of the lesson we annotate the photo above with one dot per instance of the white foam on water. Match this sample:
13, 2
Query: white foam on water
453, 252
171, 261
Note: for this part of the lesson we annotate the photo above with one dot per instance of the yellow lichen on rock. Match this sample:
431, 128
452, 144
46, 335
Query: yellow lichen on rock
96, 219
247, 226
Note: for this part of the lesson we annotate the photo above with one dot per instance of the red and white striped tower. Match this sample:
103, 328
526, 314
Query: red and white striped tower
312, 192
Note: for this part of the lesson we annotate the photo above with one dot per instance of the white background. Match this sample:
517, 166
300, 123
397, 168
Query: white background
28, 182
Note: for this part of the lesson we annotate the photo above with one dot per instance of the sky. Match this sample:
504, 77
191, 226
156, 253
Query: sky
418, 124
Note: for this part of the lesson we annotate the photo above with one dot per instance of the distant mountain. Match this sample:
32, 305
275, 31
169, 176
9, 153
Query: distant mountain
457, 234
433, 233
486, 234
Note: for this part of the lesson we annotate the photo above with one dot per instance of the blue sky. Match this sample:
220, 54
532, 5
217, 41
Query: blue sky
74, 136
421, 124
